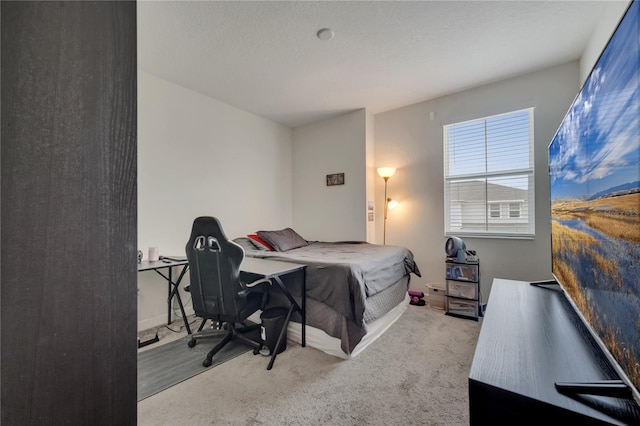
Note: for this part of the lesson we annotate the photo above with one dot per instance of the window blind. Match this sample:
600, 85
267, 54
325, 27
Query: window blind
488, 176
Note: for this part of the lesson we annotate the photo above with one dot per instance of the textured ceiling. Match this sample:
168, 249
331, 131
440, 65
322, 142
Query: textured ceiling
264, 57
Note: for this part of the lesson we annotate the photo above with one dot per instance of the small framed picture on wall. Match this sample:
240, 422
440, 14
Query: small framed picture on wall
335, 179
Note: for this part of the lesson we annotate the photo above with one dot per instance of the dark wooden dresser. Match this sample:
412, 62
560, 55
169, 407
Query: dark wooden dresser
531, 338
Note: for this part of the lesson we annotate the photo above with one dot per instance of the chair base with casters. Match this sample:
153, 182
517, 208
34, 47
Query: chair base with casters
229, 332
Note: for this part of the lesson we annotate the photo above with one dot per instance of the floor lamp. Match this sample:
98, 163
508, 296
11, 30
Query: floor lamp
386, 173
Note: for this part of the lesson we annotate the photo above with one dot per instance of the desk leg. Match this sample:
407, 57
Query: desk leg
295, 305
280, 337
169, 297
184, 315
173, 291
304, 307
176, 293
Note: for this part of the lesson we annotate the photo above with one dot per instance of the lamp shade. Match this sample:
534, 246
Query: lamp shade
392, 204
386, 172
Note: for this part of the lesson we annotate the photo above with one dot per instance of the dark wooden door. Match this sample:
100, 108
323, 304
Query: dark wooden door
68, 246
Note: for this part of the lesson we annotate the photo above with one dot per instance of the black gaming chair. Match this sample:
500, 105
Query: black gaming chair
216, 288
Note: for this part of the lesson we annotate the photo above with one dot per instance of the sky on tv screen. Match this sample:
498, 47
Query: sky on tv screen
596, 147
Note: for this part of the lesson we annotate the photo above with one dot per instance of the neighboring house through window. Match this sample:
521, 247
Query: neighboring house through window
514, 209
489, 176
494, 210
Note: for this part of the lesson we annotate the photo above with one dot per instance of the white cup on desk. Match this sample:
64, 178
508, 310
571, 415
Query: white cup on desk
153, 254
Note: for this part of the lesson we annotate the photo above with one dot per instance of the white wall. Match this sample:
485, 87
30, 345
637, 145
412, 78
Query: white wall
600, 37
372, 175
407, 139
200, 157
336, 145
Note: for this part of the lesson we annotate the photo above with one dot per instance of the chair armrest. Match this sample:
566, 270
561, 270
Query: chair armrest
258, 282
258, 286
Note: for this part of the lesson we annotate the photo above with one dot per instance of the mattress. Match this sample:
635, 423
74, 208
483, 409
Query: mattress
333, 333
318, 339
349, 285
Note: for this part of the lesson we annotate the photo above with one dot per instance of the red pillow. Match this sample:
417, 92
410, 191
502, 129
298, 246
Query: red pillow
260, 241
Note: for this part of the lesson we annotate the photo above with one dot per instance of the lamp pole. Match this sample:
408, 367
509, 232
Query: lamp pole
385, 173
386, 204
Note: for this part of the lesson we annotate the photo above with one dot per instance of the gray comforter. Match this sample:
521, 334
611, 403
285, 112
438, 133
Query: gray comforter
343, 274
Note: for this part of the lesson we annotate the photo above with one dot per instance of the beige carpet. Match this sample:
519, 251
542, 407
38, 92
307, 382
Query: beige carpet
414, 374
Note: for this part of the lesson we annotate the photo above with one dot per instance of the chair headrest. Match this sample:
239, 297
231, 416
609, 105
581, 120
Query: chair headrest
205, 227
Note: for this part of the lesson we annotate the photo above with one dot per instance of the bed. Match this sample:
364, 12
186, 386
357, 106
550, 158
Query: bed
355, 290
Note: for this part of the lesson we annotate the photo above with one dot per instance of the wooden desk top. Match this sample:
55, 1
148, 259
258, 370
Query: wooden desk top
145, 265
267, 267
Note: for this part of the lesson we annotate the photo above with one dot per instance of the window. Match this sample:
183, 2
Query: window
514, 210
494, 210
488, 176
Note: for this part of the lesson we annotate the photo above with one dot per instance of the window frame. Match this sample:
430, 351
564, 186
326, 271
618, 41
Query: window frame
526, 207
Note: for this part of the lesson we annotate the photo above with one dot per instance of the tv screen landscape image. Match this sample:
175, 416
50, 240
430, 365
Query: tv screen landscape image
594, 166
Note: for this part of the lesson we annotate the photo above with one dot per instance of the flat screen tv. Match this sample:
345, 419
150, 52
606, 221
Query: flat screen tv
594, 167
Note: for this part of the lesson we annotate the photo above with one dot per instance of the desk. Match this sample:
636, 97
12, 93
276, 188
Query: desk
263, 268
274, 270
172, 285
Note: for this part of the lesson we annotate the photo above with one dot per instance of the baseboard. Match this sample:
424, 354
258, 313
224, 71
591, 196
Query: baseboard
161, 320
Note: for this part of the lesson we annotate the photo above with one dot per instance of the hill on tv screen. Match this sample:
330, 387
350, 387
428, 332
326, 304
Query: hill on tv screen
594, 165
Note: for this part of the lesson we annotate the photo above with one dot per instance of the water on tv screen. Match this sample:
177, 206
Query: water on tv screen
594, 164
